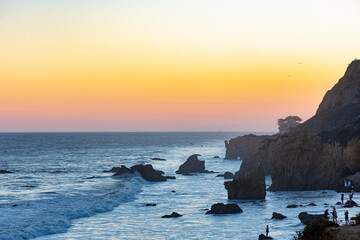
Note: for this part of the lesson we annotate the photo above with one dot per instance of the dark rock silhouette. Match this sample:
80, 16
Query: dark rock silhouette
216, 157
5, 171
307, 218
146, 171
150, 205
262, 237
279, 216
247, 185
292, 206
228, 175
318, 154
340, 105
312, 205
192, 165
120, 170
172, 215
158, 159
221, 208
350, 204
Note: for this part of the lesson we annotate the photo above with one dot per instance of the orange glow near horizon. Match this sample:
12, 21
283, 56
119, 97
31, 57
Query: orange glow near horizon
177, 66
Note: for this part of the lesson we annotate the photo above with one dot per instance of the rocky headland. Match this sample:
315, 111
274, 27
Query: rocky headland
320, 153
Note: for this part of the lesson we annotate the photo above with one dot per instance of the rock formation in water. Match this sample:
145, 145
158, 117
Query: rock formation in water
192, 165
146, 171
221, 208
241, 147
172, 215
5, 171
307, 218
248, 185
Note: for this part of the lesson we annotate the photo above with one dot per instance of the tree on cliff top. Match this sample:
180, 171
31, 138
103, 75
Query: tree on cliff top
290, 122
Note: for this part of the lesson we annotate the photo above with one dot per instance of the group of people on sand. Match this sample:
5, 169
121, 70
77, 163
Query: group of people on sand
334, 213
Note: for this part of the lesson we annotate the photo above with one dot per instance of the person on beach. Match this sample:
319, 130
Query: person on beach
346, 217
267, 230
351, 195
334, 214
326, 213
342, 198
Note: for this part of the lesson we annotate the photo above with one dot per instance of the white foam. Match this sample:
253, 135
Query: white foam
54, 213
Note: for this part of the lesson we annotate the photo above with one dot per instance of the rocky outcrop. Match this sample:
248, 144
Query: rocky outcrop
172, 215
263, 237
228, 175
279, 216
248, 185
192, 165
340, 105
303, 162
355, 181
4, 171
241, 147
158, 159
221, 208
350, 204
307, 218
146, 171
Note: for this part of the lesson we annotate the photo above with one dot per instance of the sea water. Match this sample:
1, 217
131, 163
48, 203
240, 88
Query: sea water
59, 190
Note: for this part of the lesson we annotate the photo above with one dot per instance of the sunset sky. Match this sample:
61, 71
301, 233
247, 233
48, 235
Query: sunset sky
170, 65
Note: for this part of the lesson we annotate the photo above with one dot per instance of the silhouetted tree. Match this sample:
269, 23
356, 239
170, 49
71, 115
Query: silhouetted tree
290, 122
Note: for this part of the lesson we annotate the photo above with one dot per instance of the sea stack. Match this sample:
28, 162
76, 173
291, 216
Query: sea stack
248, 185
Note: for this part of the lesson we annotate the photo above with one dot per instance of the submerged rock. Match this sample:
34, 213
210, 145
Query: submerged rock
221, 208
310, 218
247, 185
312, 205
192, 165
172, 215
216, 157
150, 205
5, 171
279, 216
158, 159
292, 206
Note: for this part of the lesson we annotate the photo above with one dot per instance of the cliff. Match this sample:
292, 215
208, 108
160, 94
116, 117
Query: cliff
319, 153
340, 105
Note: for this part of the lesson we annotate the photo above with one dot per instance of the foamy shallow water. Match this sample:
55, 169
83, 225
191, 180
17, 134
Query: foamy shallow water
85, 203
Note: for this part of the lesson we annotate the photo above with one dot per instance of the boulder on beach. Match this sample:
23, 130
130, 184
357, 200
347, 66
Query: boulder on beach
262, 237
221, 208
4, 171
192, 165
279, 216
248, 185
172, 215
307, 218
216, 157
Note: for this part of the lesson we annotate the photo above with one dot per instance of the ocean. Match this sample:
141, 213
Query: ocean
59, 190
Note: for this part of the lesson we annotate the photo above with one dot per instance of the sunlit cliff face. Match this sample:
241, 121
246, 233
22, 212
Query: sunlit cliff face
169, 65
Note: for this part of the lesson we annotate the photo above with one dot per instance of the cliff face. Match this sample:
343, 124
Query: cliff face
263, 156
340, 105
302, 162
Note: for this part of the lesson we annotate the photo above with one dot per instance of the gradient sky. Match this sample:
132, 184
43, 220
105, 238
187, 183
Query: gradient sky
170, 65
